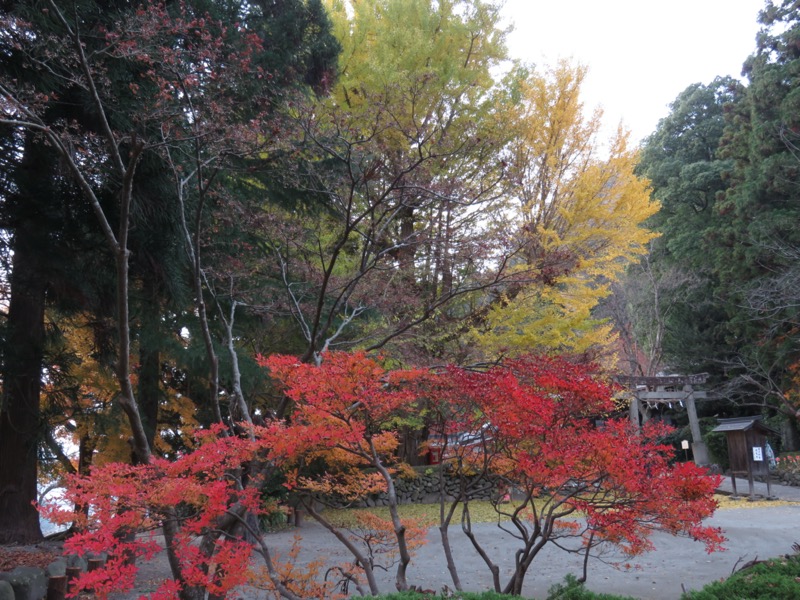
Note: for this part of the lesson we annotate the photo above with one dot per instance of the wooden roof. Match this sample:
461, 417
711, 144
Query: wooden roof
743, 424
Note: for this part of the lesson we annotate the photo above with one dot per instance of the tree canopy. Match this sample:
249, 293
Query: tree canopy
722, 275
203, 204
580, 210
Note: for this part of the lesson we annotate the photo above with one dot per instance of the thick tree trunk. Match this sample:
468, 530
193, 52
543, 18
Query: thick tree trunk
22, 374
790, 435
149, 389
150, 359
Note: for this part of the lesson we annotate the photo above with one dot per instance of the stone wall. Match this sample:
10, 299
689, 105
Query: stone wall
424, 488
34, 583
789, 478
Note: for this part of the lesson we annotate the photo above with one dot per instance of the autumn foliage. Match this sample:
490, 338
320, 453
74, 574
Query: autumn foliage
539, 428
529, 426
124, 498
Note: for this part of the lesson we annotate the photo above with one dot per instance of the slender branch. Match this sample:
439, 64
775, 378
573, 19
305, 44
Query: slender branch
263, 550
113, 145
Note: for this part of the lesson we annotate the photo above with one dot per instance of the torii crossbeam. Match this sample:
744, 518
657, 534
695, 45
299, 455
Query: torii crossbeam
671, 388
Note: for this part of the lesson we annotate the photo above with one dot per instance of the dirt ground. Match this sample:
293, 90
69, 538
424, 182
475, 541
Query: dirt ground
677, 564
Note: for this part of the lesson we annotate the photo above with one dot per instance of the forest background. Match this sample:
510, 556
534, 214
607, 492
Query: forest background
188, 186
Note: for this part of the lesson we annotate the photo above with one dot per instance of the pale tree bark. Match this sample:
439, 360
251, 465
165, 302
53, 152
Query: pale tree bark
399, 529
192, 246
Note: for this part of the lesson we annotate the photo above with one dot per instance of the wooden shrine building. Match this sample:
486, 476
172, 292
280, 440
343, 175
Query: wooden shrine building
747, 449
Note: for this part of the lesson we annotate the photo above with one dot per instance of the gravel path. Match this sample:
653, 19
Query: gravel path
676, 564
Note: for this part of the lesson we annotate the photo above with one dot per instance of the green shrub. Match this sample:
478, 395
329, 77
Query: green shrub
716, 442
455, 596
776, 579
572, 589
274, 519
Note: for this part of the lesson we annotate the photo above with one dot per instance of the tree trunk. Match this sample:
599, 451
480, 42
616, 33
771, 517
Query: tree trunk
790, 436
23, 348
448, 553
410, 440
149, 389
399, 529
150, 359
360, 559
22, 375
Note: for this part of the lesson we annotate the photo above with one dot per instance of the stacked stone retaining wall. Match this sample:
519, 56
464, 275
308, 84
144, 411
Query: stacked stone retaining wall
425, 488
34, 583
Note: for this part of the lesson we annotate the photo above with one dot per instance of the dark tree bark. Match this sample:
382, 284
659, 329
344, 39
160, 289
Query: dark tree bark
22, 376
32, 221
149, 359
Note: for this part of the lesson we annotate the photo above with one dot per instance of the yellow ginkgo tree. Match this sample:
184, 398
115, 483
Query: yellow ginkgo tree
581, 211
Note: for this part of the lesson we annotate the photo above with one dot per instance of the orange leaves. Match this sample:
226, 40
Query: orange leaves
349, 485
379, 534
340, 414
340, 411
303, 581
345, 387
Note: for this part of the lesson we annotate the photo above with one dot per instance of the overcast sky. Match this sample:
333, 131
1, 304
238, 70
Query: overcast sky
641, 53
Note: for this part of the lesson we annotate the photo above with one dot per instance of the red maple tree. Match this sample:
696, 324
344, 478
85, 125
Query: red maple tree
536, 427
528, 428
343, 410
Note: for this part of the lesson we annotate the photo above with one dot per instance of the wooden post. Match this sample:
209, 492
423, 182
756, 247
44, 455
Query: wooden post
699, 448
95, 563
57, 587
72, 574
635, 411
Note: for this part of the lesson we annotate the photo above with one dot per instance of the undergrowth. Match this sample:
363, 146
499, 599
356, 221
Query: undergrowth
774, 579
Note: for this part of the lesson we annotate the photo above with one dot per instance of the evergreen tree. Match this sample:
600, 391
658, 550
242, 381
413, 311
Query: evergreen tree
724, 164
757, 239
106, 106
676, 289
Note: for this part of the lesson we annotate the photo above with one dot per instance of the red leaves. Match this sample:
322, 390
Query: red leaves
227, 569
541, 436
125, 498
342, 410
346, 388
529, 422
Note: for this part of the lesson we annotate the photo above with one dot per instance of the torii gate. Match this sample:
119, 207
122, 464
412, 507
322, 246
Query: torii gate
668, 389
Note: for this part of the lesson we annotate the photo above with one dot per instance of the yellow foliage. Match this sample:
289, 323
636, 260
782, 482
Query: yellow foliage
415, 78
398, 49
582, 215
91, 406
353, 484
87, 402
183, 419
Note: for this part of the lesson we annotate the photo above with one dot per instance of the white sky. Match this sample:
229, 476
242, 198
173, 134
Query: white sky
641, 53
